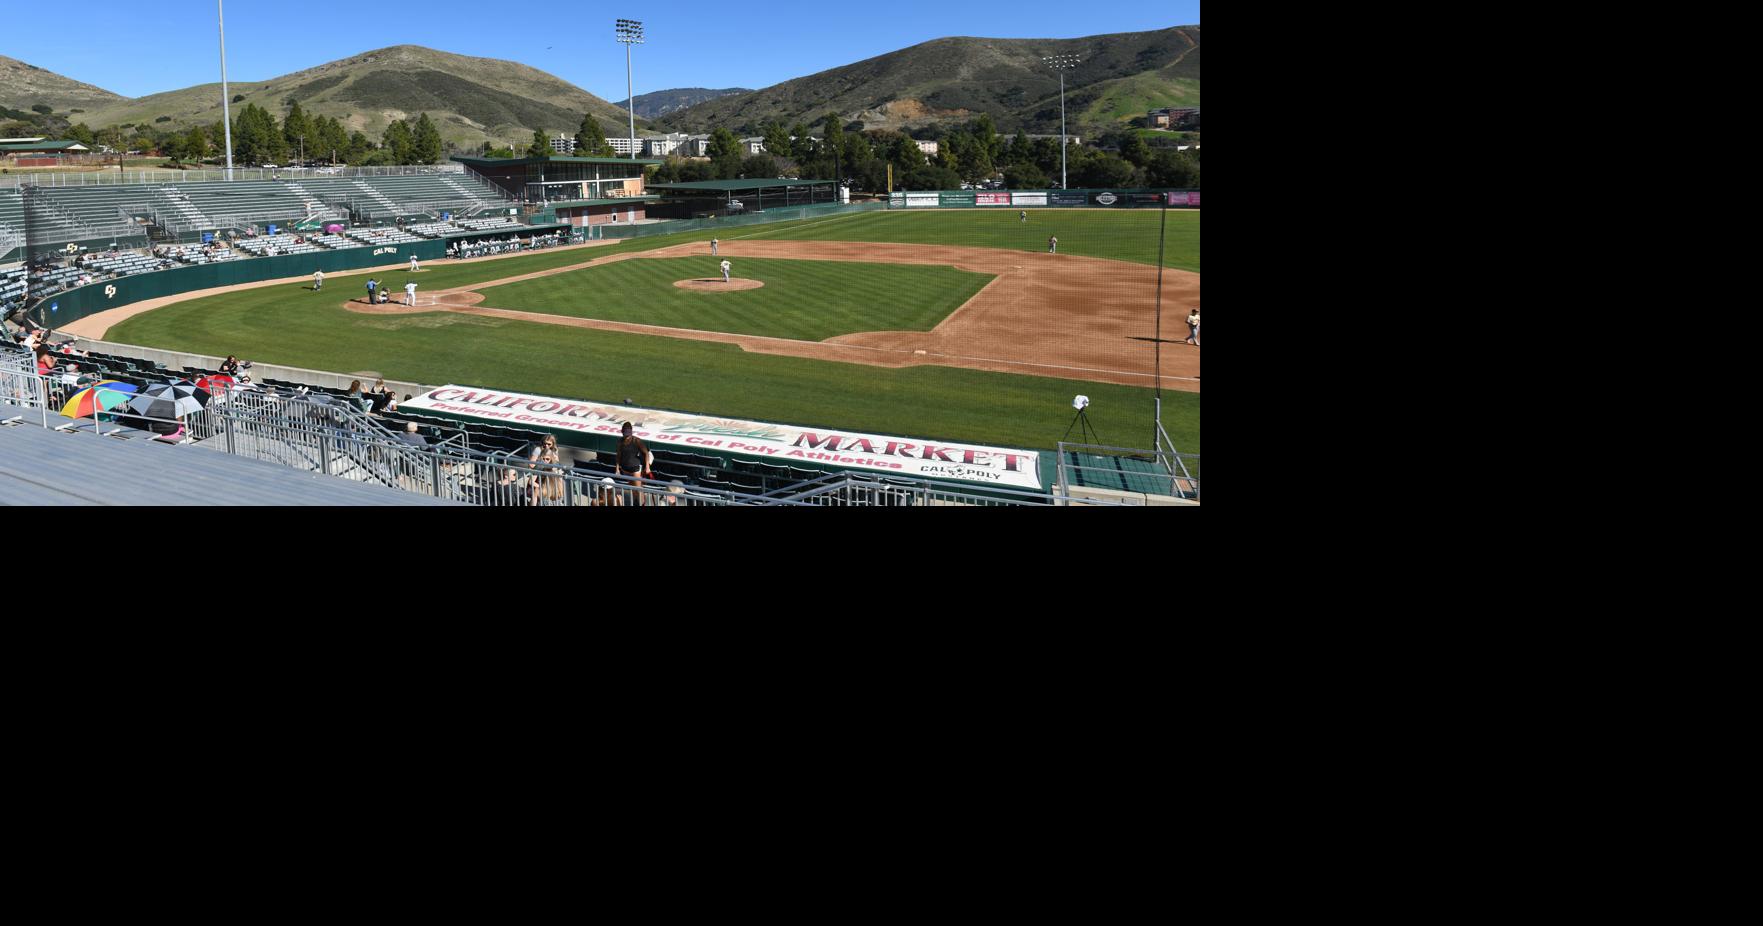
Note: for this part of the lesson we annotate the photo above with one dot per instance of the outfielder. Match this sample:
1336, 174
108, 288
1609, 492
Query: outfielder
410, 294
317, 280
725, 271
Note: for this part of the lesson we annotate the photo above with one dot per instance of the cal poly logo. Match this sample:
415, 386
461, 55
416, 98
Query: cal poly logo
71, 248
1107, 199
110, 291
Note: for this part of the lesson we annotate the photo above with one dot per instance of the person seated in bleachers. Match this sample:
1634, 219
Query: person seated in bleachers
380, 397
230, 366
411, 437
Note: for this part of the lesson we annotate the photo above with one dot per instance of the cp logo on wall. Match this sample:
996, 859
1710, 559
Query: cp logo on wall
110, 291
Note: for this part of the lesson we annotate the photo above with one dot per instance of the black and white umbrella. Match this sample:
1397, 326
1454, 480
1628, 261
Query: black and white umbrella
169, 400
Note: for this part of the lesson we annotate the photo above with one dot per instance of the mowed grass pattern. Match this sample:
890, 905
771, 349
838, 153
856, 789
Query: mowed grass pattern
1123, 234
294, 326
307, 329
809, 300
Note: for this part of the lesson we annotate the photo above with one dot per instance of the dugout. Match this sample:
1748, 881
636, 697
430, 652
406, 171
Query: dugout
719, 197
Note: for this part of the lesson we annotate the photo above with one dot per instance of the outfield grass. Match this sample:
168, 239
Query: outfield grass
307, 329
1123, 234
296, 327
809, 300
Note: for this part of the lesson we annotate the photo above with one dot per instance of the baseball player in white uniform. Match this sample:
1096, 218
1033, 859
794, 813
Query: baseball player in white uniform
317, 280
413, 263
410, 294
725, 271
713, 247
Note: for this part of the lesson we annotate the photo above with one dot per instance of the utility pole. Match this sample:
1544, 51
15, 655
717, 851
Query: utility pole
630, 32
226, 104
1062, 63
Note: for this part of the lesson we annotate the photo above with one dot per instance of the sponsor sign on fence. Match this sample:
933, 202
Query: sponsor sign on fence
991, 199
1190, 198
922, 199
781, 443
956, 198
896, 200
1063, 198
1028, 199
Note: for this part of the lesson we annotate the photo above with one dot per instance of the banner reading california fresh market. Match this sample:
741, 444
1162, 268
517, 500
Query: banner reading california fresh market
781, 442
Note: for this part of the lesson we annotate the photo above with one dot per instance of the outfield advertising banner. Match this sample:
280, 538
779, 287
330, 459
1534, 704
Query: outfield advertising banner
1190, 198
991, 199
774, 442
1063, 198
956, 198
916, 200
896, 200
1028, 199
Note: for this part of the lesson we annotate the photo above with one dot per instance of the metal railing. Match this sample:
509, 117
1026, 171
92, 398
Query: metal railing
1174, 478
323, 434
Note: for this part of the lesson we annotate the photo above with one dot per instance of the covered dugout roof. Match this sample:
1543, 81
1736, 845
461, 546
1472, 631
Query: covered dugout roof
734, 186
622, 200
514, 162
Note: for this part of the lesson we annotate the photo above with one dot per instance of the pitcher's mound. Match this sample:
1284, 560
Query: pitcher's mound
716, 285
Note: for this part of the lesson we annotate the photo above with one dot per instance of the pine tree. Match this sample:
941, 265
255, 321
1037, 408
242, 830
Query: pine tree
540, 148
426, 141
590, 142
399, 142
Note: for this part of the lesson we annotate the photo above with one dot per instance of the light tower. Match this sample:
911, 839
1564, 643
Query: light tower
630, 32
1062, 63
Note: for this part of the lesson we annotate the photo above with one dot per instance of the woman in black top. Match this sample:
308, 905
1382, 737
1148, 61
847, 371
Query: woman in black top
230, 366
633, 458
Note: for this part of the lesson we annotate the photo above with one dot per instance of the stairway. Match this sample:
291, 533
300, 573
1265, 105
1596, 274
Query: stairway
315, 208
181, 207
392, 208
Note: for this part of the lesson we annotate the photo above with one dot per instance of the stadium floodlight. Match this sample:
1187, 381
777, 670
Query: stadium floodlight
226, 105
630, 32
1062, 63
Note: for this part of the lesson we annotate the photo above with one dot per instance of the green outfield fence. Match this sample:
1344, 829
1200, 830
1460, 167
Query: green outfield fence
1043, 199
790, 214
67, 307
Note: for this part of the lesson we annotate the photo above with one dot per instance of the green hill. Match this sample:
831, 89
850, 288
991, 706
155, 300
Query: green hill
24, 85
956, 79
470, 99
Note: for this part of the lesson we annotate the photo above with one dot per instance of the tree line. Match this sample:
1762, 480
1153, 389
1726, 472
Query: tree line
970, 153
259, 138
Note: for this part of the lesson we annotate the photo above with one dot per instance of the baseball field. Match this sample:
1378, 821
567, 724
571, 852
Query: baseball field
955, 325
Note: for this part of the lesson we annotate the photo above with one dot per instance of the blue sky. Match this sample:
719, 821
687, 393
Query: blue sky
136, 49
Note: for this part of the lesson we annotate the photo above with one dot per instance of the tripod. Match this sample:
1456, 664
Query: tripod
1087, 433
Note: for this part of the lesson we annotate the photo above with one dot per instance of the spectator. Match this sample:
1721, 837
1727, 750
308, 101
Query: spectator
634, 458
547, 488
411, 437
230, 366
355, 396
380, 397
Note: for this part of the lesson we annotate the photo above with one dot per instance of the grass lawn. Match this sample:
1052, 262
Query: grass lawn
806, 300
1123, 234
296, 327
307, 329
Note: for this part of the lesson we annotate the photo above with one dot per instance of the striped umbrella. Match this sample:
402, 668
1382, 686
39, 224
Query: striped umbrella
169, 400
100, 396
